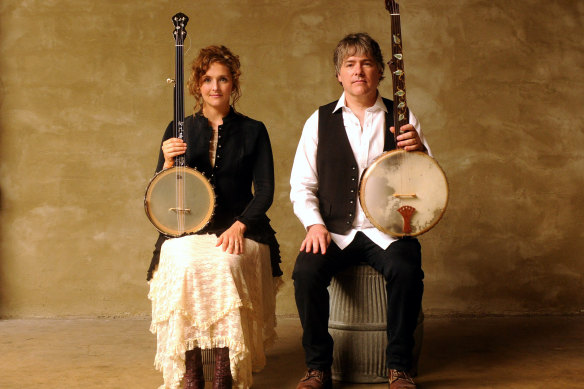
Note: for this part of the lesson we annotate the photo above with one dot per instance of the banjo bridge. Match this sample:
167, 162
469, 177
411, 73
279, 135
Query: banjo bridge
177, 210
408, 195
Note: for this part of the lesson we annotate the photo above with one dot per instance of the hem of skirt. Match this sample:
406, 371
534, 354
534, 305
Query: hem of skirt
237, 304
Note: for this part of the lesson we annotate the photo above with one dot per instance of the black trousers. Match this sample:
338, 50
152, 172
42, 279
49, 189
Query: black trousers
401, 266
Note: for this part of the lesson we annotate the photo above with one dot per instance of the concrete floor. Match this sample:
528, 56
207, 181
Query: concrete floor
500, 352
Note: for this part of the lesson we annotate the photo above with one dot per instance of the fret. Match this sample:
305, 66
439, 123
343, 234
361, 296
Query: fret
396, 66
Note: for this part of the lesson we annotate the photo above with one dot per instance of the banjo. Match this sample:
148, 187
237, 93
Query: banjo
403, 193
179, 200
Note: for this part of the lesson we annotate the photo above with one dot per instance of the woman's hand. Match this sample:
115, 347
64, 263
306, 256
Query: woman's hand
232, 239
171, 148
409, 140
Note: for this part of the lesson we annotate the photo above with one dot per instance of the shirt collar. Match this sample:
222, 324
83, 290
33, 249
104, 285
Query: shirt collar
230, 115
378, 104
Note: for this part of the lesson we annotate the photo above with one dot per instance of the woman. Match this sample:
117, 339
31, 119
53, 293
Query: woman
216, 289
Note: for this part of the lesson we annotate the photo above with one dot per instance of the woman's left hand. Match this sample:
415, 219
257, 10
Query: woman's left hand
232, 239
409, 139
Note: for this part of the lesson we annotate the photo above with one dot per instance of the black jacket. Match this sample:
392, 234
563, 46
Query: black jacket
244, 157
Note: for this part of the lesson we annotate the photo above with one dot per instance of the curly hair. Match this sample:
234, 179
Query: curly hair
359, 43
200, 65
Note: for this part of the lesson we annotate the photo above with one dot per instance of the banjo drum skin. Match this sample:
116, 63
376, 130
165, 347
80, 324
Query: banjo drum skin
192, 211
404, 193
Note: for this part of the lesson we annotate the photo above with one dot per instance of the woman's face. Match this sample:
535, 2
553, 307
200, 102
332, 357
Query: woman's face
216, 86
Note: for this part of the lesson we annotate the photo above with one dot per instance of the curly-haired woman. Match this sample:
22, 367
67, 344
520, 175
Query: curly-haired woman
216, 289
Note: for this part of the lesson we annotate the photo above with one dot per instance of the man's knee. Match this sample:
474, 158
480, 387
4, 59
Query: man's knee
310, 269
406, 260
407, 271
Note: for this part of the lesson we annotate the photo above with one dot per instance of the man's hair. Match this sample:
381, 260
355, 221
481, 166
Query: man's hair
359, 43
208, 56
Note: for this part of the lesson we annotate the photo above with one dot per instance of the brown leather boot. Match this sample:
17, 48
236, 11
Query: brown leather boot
193, 378
222, 378
316, 379
400, 380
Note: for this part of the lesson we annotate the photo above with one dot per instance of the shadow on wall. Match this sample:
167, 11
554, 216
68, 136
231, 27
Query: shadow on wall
2, 283
2, 289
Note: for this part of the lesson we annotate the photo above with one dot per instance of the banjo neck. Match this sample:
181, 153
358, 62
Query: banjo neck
180, 21
396, 66
179, 200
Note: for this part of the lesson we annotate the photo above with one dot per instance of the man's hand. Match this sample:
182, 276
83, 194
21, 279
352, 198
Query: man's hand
317, 238
409, 140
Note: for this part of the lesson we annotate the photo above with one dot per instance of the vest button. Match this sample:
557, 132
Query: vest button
348, 223
352, 190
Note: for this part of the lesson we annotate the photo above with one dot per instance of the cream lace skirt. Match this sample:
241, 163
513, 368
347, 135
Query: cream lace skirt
204, 297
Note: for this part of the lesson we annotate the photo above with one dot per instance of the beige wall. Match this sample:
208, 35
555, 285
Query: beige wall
498, 86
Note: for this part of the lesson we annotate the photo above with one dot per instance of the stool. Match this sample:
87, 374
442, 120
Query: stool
358, 322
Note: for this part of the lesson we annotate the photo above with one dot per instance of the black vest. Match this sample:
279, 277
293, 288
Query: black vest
338, 173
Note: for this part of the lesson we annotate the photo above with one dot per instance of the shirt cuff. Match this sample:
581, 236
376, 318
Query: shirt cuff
310, 220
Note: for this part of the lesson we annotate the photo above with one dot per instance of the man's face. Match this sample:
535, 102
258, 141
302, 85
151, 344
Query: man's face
359, 76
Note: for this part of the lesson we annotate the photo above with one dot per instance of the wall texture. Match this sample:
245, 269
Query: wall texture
498, 86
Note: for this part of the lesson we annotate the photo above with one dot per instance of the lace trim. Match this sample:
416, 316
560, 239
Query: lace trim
237, 354
202, 325
203, 297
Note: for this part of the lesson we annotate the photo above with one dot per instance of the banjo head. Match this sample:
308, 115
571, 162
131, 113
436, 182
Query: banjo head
175, 217
404, 193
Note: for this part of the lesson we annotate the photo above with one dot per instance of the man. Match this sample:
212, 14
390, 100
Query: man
338, 142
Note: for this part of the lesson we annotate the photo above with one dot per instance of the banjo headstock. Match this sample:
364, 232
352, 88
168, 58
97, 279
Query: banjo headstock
392, 6
180, 21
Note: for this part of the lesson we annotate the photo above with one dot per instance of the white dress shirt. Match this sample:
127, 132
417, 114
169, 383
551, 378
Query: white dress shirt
367, 145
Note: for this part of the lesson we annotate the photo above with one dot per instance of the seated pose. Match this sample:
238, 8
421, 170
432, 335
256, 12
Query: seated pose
216, 289
338, 142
